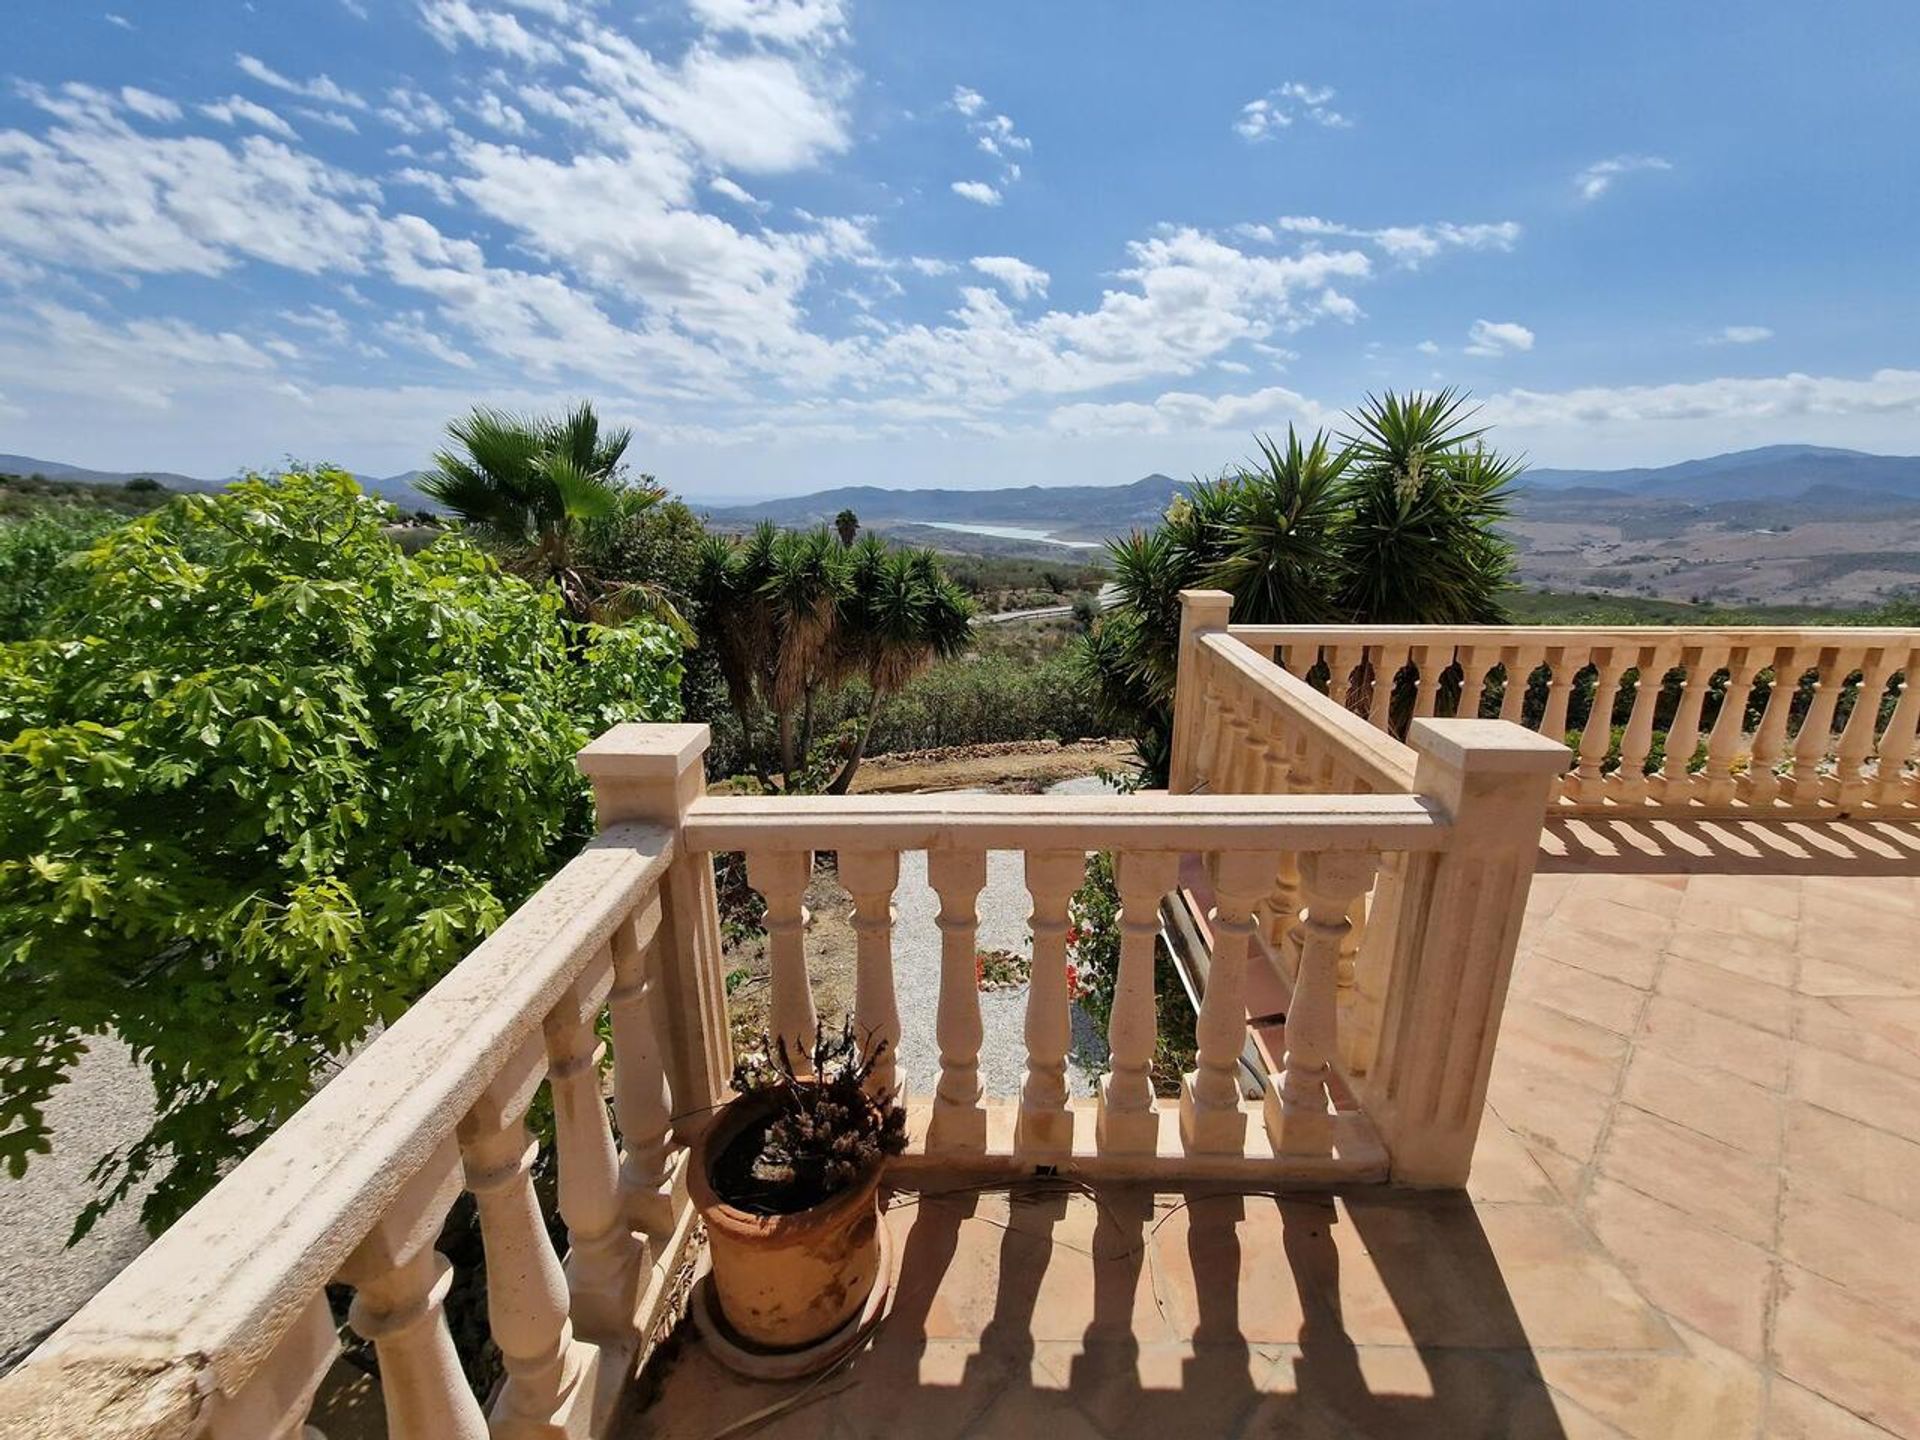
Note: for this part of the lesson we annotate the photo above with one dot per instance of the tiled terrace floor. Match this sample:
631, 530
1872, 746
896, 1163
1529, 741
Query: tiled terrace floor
1695, 1213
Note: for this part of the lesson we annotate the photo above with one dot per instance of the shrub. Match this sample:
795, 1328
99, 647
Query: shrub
272, 779
34, 575
1094, 955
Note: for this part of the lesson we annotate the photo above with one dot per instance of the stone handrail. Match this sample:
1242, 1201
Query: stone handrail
1795, 761
221, 1328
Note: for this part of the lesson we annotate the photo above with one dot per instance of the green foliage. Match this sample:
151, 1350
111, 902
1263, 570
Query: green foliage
34, 575
1396, 526
270, 781
1094, 952
28, 494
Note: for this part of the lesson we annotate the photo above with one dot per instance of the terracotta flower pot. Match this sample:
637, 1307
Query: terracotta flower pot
784, 1282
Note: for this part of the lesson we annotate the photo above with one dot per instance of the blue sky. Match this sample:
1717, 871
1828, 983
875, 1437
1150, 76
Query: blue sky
797, 243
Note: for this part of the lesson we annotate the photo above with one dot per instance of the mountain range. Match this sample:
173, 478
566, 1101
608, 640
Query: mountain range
397, 488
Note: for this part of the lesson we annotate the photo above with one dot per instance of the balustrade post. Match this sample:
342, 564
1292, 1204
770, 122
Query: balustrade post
1596, 735
400, 1290
959, 1121
275, 1401
1816, 726
870, 877
1128, 1121
641, 1101
1457, 925
1723, 742
1890, 782
1630, 782
1701, 664
1211, 1120
1045, 1126
1201, 612
1856, 739
654, 774
603, 1254
549, 1389
1299, 1115
781, 877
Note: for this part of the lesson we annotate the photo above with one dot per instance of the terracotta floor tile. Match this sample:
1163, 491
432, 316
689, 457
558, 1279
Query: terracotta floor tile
1765, 961
1856, 1355
1703, 1038
1875, 1029
1820, 976
1629, 962
1712, 1182
1155, 1391
1220, 1267
1711, 896
1658, 894
1828, 1149
1869, 1251
1376, 1393
1566, 1174
1595, 999
1695, 1274
1503, 1171
1866, 1093
1580, 1053
1795, 1413
1731, 1110
1705, 1393
1593, 914
1539, 1105
1738, 997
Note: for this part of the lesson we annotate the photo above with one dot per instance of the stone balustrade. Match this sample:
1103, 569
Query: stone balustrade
1294, 804
1752, 720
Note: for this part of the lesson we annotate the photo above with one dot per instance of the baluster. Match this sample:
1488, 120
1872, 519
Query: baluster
400, 1289
1282, 906
640, 1098
1235, 723
1630, 782
1701, 664
1207, 745
550, 1375
1342, 661
781, 877
1521, 664
1211, 1120
1723, 743
1563, 668
1770, 740
959, 1120
1128, 1122
1297, 1107
274, 1401
1890, 783
1856, 737
1816, 728
1596, 736
1045, 1125
1346, 989
1475, 661
1392, 660
870, 877
1433, 663
603, 1255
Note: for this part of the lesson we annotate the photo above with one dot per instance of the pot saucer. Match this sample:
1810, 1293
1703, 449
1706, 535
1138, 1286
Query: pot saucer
757, 1363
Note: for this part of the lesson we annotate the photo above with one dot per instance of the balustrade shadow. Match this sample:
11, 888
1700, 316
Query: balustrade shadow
1649, 845
1194, 1312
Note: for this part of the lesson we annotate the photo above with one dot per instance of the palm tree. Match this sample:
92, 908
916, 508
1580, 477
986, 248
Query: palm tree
529, 487
847, 525
901, 615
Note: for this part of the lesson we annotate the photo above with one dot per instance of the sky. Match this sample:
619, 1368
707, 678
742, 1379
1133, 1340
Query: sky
803, 243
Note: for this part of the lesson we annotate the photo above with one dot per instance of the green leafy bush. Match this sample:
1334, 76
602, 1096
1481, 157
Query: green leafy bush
272, 779
1093, 941
33, 550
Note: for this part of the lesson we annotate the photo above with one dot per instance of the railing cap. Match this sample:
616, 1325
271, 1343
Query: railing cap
644, 752
1488, 747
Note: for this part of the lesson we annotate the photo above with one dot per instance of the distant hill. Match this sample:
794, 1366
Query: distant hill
397, 488
1078, 510
1773, 472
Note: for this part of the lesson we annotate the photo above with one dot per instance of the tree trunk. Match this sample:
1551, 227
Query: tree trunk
786, 747
806, 727
844, 779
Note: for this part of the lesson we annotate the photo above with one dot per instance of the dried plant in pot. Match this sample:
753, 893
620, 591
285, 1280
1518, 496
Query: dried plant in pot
787, 1178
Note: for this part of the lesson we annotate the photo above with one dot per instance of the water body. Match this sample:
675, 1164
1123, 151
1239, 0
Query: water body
1007, 532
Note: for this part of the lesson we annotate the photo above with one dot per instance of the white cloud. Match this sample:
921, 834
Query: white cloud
977, 191
148, 105
434, 183
320, 87
1277, 110
414, 112
1743, 399
993, 134
237, 110
490, 109
788, 22
120, 20
928, 265
413, 330
1181, 412
1427, 347
323, 320
1021, 279
1594, 181
739, 194
332, 119
968, 102
453, 22
1740, 335
1408, 244
1498, 337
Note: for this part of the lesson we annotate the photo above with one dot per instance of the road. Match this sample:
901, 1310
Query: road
1106, 598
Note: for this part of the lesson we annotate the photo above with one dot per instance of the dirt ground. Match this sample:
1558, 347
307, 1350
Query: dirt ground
1020, 767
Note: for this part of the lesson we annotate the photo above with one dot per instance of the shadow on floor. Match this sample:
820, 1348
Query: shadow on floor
1059, 1312
1750, 847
